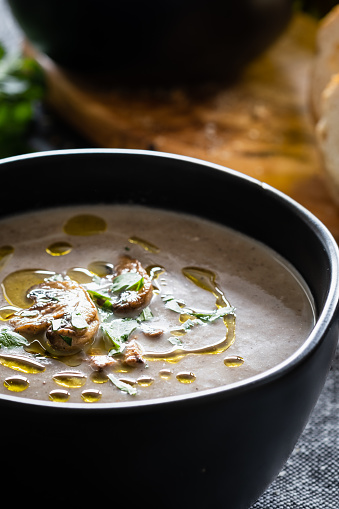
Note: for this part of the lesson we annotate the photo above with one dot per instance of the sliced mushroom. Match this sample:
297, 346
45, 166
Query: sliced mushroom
131, 300
64, 311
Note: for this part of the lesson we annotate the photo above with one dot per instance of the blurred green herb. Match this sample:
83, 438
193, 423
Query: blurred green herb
22, 84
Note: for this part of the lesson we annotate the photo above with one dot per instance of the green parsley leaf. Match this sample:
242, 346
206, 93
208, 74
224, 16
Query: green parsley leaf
118, 332
173, 304
101, 299
122, 385
211, 316
127, 281
175, 341
10, 339
186, 326
178, 306
67, 339
56, 323
78, 321
145, 315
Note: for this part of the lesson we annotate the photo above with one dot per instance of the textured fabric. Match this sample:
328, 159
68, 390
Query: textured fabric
310, 478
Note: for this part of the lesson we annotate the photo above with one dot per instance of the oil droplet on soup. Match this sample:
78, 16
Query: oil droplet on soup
59, 396
186, 377
91, 395
145, 381
80, 275
85, 225
101, 269
233, 361
148, 246
165, 373
16, 383
70, 379
99, 377
59, 249
5, 254
21, 363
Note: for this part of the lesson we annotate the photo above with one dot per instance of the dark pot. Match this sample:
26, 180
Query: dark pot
190, 41
216, 448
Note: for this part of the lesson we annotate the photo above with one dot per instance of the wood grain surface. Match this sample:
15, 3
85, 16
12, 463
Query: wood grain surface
261, 125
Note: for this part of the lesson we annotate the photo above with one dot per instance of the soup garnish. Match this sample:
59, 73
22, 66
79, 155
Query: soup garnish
131, 302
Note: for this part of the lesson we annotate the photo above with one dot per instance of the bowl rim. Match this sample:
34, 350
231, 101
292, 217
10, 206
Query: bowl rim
280, 370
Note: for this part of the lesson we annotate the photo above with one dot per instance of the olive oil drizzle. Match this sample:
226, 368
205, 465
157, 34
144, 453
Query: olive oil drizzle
206, 280
176, 354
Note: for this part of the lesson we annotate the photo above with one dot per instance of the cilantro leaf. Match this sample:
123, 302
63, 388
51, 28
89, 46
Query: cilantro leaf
211, 316
127, 281
173, 304
10, 339
178, 306
67, 339
78, 320
175, 341
145, 315
56, 323
101, 299
122, 385
118, 332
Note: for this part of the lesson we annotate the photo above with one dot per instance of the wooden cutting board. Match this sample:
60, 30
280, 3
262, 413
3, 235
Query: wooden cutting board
261, 125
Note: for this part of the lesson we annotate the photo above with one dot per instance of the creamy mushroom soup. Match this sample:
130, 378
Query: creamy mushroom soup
118, 303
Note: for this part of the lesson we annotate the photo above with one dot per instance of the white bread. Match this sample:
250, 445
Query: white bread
327, 131
326, 62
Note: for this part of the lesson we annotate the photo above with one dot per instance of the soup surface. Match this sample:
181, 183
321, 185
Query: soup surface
108, 303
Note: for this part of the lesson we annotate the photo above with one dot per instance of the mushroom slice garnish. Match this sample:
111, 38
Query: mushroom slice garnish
62, 310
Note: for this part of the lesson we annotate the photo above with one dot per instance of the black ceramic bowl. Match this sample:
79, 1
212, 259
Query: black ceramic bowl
186, 40
216, 448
